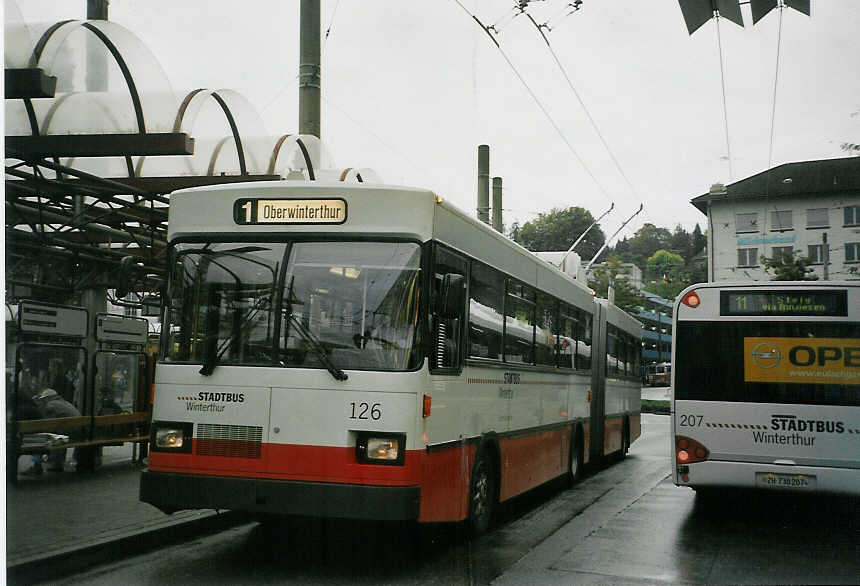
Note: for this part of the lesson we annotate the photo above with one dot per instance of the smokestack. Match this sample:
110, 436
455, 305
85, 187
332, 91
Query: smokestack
497, 204
484, 183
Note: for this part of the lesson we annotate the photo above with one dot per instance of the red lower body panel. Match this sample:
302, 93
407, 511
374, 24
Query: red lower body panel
530, 460
526, 461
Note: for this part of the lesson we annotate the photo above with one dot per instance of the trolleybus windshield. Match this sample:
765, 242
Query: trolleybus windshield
332, 305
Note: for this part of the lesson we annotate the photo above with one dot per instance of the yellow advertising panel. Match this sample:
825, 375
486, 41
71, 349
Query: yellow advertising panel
802, 360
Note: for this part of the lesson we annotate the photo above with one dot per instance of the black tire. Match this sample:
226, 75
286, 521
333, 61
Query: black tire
482, 495
625, 439
574, 467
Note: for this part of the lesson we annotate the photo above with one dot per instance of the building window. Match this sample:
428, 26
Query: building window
816, 254
852, 252
818, 218
747, 257
852, 215
780, 251
780, 220
746, 222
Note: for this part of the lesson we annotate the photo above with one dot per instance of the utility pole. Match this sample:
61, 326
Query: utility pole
484, 183
825, 253
309, 68
497, 204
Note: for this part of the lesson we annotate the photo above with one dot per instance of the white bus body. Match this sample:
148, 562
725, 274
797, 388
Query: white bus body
766, 386
311, 366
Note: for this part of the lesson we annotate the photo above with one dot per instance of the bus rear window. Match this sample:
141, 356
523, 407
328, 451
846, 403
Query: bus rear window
768, 362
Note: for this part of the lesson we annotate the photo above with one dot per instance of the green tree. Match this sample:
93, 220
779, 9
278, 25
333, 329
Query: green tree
558, 229
647, 240
668, 275
698, 241
681, 243
612, 273
666, 265
789, 267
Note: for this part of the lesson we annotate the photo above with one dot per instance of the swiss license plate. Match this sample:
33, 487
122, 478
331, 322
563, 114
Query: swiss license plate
787, 481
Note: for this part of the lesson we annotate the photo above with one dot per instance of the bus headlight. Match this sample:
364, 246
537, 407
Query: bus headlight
169, 436
381, 448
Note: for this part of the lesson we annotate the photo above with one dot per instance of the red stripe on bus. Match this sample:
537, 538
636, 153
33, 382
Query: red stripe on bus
445, 485
530, 460
635, 426
294, 462
612, 430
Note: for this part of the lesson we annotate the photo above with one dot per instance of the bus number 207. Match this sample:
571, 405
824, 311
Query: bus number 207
691, 420
366, 411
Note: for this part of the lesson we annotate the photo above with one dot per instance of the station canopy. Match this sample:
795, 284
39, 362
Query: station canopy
97, 139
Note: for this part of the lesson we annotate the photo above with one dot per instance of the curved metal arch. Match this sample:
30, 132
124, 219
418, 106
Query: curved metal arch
34, 61
307, 156
277, 150
228, 114
120, 61
345, 173
273, 160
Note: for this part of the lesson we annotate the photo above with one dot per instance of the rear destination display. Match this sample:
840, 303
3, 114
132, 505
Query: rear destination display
823, 303
289, 211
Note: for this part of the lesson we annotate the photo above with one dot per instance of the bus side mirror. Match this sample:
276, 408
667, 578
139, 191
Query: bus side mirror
123, 281
453, 295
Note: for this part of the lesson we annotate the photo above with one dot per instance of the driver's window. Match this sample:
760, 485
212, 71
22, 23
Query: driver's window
447, 330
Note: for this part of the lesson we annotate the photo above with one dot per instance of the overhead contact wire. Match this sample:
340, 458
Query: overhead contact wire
723, 85
584, 108
775, 83
538, 102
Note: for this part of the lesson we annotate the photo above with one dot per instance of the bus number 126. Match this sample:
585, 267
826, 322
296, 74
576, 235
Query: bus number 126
366, 411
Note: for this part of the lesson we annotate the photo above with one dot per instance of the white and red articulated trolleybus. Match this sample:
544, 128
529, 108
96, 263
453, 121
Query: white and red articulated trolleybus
370, 352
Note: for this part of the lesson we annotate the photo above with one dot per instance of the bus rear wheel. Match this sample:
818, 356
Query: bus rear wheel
625, 439
482, 495
574, 470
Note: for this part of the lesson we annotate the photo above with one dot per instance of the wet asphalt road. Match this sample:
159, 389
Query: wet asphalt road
624, 523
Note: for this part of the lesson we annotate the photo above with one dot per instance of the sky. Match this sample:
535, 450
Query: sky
411, 88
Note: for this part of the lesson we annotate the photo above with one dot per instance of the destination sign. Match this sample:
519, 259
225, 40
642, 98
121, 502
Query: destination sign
775, 303
289, 211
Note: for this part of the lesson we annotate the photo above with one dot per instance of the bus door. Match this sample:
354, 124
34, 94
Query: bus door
598, 383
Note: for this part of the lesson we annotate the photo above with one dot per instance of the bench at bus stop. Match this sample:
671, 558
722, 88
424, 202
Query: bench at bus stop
42, 436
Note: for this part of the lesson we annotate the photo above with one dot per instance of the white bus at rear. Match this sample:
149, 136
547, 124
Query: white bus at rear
766, 386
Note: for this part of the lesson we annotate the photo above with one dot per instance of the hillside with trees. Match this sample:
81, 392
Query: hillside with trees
669, 260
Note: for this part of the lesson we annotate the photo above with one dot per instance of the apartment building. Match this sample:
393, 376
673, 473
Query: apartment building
809, 208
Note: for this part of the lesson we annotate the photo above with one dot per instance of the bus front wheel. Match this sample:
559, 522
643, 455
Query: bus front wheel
482, 495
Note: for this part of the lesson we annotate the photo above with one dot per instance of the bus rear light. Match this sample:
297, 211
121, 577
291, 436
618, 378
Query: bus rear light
691, 299
428, 406
688, 450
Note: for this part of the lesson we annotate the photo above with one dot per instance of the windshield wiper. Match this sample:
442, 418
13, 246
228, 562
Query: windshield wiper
318, 349
213, 354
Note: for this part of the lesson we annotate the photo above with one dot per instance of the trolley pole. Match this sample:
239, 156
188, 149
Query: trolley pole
309, 68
